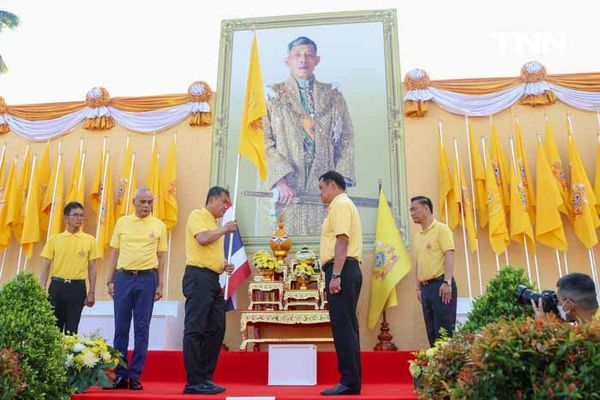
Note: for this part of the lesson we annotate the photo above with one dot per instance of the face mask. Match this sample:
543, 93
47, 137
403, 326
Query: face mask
562, 313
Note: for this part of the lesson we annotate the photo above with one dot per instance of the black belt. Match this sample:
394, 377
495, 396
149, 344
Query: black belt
136, 271
330, 262
63, 280
439, 278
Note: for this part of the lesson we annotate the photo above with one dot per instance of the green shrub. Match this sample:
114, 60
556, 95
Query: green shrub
11, 377
498, 301
28, 327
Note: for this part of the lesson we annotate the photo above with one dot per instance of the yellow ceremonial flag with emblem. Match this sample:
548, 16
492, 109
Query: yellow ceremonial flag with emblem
252, 143
153, 182
96, 189
597, 179
17, 196
5, 189
523, 169
106, 224
31, 220
127, 184
499, 168
391, 263
549, 229
168, 183
467, 210
583, 200
478, 180
558, 171
53, 202
520, 223
77, 180
448, 187
44, 180
497, 230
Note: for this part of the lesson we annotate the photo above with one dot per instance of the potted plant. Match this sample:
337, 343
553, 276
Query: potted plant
266, 264
303, 273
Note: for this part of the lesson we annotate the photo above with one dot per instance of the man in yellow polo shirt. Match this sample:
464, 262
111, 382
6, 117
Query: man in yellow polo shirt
73, 255
204, 303
434, 266
340, 256
135, 281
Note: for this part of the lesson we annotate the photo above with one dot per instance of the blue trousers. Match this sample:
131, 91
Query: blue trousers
133, 296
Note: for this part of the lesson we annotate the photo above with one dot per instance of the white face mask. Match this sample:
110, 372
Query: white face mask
562, 313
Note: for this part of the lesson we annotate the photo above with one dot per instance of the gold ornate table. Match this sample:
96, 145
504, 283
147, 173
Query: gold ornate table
290, 317
265, 295
306, 297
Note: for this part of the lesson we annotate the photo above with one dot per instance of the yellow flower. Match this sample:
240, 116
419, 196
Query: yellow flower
89, 359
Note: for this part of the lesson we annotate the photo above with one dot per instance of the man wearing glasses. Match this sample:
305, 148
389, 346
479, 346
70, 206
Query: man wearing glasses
72, 255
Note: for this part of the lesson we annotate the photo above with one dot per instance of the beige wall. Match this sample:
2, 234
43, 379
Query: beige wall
193, 154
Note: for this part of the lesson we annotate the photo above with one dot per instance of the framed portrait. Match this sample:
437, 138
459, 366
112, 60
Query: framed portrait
333, 90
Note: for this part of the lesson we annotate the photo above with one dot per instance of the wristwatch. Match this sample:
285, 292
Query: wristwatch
448, 282
334, 275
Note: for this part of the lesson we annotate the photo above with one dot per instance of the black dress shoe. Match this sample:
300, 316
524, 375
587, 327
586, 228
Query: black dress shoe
135, 384
120, 382
340, 390
206, 387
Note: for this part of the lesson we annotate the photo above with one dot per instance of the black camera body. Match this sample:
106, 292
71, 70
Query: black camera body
524, 295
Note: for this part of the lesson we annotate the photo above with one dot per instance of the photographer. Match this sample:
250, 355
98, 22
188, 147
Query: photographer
576, 299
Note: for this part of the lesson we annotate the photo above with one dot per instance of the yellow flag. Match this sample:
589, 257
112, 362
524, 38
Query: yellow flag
549, 229
17, 197
391, 262
54, 221
252, 143
448, 184
478, 180
44, 180
523, 169
467, 210
153, 182
169, 187
583, 200
96, 189
77, 181
558, 171
127, 184
597, 179
4, 198
499, 167
107, 211
520, 224
31, 221
498, 232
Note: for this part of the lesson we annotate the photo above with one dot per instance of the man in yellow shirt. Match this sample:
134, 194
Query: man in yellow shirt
73, 255
204, 303
340, 256
135, 281
434, 266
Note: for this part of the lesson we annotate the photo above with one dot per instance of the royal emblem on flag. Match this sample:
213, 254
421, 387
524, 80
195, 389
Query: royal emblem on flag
385, 259
578, 199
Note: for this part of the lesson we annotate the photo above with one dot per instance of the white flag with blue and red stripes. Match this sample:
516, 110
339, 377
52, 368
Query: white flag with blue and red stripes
239, 260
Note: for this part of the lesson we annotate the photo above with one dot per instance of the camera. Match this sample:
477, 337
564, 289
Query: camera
524, 295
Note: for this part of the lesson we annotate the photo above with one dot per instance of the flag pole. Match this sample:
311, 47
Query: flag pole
485, 166
3, 260
128, 198
80, 179
52, 206
474, 203
440, 124
20, 248
233, 205
517, 176
462, 215
103, 196
168, 267
33, 162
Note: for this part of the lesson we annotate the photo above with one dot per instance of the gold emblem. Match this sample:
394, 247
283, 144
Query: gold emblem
82, 253
152, 235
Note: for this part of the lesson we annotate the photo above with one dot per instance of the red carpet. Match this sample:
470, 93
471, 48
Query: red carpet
385, 377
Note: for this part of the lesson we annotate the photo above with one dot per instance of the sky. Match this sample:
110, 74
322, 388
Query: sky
136, 48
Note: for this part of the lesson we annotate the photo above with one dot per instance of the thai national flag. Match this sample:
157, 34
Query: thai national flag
239, 259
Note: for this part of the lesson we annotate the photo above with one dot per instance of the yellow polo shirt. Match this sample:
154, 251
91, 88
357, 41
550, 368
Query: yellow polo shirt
597, 316
430, 245
342, 219
138, 240
212, 255
70, 254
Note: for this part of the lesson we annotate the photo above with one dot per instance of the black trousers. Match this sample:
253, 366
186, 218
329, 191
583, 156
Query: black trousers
204, 323
436, 314
67, 299
344, 323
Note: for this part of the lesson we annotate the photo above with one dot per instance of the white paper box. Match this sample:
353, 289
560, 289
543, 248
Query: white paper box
292, 364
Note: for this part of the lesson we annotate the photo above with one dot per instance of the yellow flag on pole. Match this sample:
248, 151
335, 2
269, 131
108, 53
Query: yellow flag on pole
252, 143
520, 224
558, 171
31, 220
4, 198
498, 232
17, 197
583, 200
53, 203
448, 187
107, 211
391, 262
169, 187
549, 229
478, 180
524, 171
127, 184
77, 181
597, 177
499, 167
96, 189
153, 182
467, 210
